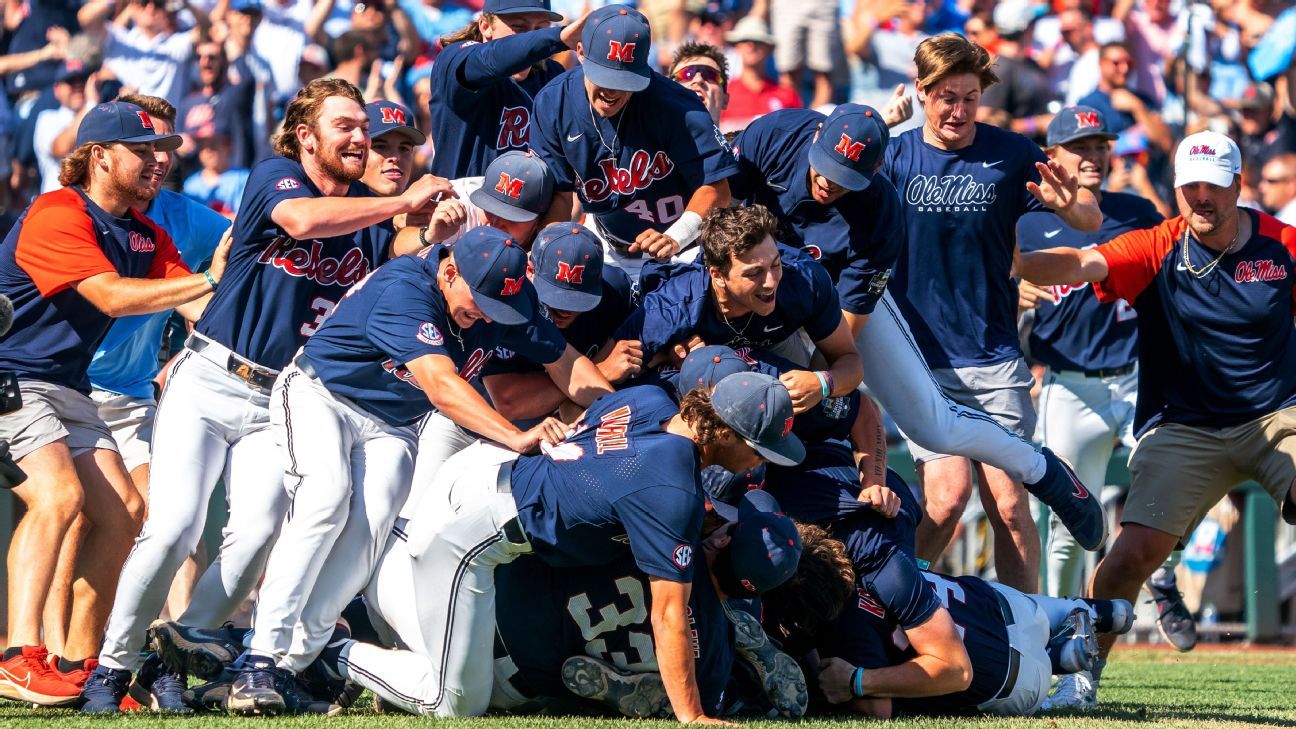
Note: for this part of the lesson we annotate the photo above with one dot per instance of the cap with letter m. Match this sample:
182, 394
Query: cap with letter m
615, 43
517, 186
850, 146
705, 366
495, 268
386, 117
759, 409
1077, 122
568, 263
119, 121
518, 7
764, 547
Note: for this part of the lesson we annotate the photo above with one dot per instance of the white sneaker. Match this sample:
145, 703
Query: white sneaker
1075, 692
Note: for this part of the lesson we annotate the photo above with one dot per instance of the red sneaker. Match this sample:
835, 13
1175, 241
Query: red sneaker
77, 676
27, 677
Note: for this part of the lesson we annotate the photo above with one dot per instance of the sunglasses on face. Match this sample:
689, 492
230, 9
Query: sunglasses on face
708, 74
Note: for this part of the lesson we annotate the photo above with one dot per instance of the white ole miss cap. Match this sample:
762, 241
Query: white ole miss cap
1207, 157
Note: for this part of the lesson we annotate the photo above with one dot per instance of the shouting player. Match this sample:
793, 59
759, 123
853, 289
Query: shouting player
306, 232
639, 151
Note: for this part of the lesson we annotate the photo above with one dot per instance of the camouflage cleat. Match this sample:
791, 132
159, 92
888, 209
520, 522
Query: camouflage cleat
780, 676
637, 695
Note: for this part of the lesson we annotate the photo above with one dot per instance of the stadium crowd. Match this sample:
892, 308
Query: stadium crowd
546, 350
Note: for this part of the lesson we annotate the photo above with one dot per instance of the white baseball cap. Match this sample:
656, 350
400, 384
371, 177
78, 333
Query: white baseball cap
1207, 157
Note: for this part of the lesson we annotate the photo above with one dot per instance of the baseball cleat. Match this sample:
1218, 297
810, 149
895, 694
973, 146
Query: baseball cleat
1174, 619
210, 696
1079, 649
637, 695
1074, 692
1114, 616
27, 677
159, 688
255, 690
104, 690
1076, 506
196, 651
780, 677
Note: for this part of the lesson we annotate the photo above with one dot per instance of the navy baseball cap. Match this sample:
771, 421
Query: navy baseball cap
764, 547
759, 409
705, 366
387, 116
246, 6
568, 263
494, 267
72, 68
1077, 122
517, 7
118, 121
615, 42
517, 186
850, 145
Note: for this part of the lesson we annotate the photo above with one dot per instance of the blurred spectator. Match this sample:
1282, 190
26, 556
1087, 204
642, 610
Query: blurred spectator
1261, 137
285, 29
56, 129
216, 102
808, 37
1150, 32
435, 18
354, 55
884, 35
216, 184
27, 24
1278, 187
1123, 107
702, 68
143, 45
1066, 45
1020, 101
389, 26
753, 93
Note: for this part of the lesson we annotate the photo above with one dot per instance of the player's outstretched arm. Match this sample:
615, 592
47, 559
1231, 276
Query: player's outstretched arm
1062, 266
577, 377
304, 218
454, 398
523, 395
1059, 190
674, 650
941, 667
683, 232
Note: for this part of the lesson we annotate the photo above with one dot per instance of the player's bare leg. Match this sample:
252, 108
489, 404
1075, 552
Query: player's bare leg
946, 484
1016, 538
823, 90
58, 603
1137, 552
116, 513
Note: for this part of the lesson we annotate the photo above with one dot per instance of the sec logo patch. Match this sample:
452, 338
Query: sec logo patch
682, 556
429, 334
287, 183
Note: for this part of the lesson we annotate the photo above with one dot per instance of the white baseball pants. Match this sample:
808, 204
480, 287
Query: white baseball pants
435, 587
209, 425
347, 474
439, 438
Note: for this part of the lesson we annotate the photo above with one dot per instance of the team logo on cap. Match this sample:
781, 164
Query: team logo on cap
392, 115
145, 121
1202, 149
568, 273
620, 52
849, 148
1085, 119
683, 556
429, 334
510, 185
287, 183
511, 286
787, 425
747, 584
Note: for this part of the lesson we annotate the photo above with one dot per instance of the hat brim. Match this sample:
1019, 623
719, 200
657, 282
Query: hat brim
785, 451
414, 135
164, 142
616, 79
1210, 175
523, 9
518, 311
836, 172
494, 206
557, 297
1085, 135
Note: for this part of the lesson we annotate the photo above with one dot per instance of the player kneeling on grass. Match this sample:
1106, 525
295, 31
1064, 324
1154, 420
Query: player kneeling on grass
625, 480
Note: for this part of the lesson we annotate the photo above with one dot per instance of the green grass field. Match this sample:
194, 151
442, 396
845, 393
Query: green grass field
1208, 688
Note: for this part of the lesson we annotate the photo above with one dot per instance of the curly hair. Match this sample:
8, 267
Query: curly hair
305, 109
697, 411
729, 232
805, 607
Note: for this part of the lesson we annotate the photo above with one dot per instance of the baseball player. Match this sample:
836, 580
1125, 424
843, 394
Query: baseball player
703, 69
485, 79
624, 479
816, 174
306, 232
393, 141
1213, 289
79, 257
1086, 401
964, 186
639, 151
584, 299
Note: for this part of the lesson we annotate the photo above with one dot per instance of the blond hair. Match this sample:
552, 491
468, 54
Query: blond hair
75, 168
305, 109
950, 54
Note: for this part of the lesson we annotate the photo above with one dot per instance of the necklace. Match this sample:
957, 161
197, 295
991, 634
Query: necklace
455, 331
740, 333
1200, 272
616, 132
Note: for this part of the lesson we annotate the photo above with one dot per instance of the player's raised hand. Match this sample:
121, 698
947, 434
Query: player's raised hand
446, 220
422, 195
805, 389
1057, 190
898, 108
623, 362
679, 351
834, 680
655, 244
572, 32
1029, 295
221, 255
880, 499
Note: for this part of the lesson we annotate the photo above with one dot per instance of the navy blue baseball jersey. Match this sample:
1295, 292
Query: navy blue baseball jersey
638, 169
62, 239
1216, 350
587, 333
547, 614
1078, 332
397, 315
870, 635
276, 290
961, 209
619, 482
676, 304
478, 110
857, 238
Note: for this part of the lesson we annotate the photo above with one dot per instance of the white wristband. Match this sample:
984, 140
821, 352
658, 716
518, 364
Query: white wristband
685, 230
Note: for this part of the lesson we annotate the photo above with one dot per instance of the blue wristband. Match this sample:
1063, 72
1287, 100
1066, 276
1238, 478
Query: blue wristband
210, 280
857, 683
823, 384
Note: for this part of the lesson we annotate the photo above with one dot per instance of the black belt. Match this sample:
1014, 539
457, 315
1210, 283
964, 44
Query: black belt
253, 375
512, 528
1111, 372
1014, 656
621, 247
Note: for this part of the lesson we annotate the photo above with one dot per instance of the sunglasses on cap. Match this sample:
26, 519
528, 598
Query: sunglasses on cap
709, 74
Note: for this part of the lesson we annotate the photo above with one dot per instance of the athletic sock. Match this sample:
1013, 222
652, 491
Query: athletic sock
66, 666
12, 652
1163, 579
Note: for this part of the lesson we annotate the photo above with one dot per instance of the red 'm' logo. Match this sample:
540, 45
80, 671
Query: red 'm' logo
569, 274
1087, 119
144, 119
392, 115
849, 148
509, 186
511, 286
787, 425
621, 52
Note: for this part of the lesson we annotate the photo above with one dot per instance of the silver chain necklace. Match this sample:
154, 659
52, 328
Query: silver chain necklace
616, 133
1199, 273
